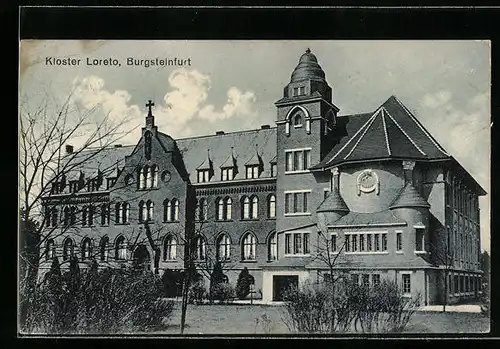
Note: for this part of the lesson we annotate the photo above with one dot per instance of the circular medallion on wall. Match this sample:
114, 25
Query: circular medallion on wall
368, 181
129, 179
165, 176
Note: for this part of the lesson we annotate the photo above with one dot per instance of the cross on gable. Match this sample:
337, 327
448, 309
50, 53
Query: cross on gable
149, 104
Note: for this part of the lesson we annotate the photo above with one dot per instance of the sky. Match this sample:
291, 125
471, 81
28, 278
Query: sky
232, 86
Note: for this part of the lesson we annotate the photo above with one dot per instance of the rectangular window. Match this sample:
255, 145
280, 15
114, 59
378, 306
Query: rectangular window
377, 242
110, 182
295, 91
384, 242
252, 171
406, 283
297, 160
365, 280
348, 243
369, 246
334, 243
203, 176
375, 280
354, 240
297, 202
297, 243
361, 242
302, 90
274, 171
419, 239
399, 241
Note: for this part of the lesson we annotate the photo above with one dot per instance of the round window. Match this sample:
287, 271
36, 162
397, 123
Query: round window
165, 176
129, 179
367, 181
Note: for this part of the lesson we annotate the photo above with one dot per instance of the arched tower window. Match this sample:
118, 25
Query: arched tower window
149, 177
245, 208
50, 251
175, 210
167, 210
297, 120
228, 208
67, 216
54, 216
142, 212
255, 207
147, 145
104, 214
200, 248
154, 176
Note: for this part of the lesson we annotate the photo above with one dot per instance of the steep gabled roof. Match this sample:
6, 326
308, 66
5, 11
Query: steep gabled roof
390, 132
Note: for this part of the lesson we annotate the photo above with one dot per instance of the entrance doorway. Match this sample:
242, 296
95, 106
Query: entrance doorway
282, 283
141, 258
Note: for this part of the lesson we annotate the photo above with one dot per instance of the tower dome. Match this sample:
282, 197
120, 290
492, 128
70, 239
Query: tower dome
308, 68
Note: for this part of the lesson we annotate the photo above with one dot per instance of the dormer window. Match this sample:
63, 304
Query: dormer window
227, 174
252, 171
110, 182
73, 186
203, 176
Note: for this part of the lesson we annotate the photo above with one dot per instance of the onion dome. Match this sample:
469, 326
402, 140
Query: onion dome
308, 68
333, 203
409, 197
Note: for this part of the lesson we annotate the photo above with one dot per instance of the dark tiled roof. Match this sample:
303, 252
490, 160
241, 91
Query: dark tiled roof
390, 132
409, 197
194, 151
373, 219
333, 203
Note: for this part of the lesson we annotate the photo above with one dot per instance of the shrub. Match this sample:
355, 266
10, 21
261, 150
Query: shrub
243, 283
223, 292
109, 301
346, 306
197, 290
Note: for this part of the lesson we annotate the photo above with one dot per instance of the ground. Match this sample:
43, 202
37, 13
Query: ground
242, 319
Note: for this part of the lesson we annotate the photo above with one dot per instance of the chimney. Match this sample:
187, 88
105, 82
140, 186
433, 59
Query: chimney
69, 149
219, 133
265, 127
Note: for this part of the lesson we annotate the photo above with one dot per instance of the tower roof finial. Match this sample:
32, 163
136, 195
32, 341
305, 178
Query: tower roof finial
150, 104
308, 50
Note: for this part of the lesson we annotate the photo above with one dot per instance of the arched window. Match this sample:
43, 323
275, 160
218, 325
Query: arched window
167, 210
246, 208
104, 214
54, 216
175, 210
85, 215
86, 248
223, 247
228, 208
202, 212
50, 250
73, 215
67, 216
169, 248
149, 177
103, 249
150, 208
200, 248
121, 248
91, 215
142, 212
220, 209
142, 179
249, 247
154, 176
67, 249
297, 120
118, 213
126, 212
272, 249
255, 207
271, 206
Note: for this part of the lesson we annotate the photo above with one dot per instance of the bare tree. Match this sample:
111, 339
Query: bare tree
45, 129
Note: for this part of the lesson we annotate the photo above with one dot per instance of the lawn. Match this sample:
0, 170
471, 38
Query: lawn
242, 319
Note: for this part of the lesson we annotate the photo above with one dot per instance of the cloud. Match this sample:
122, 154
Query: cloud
436, 100
238, 103
184, 104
